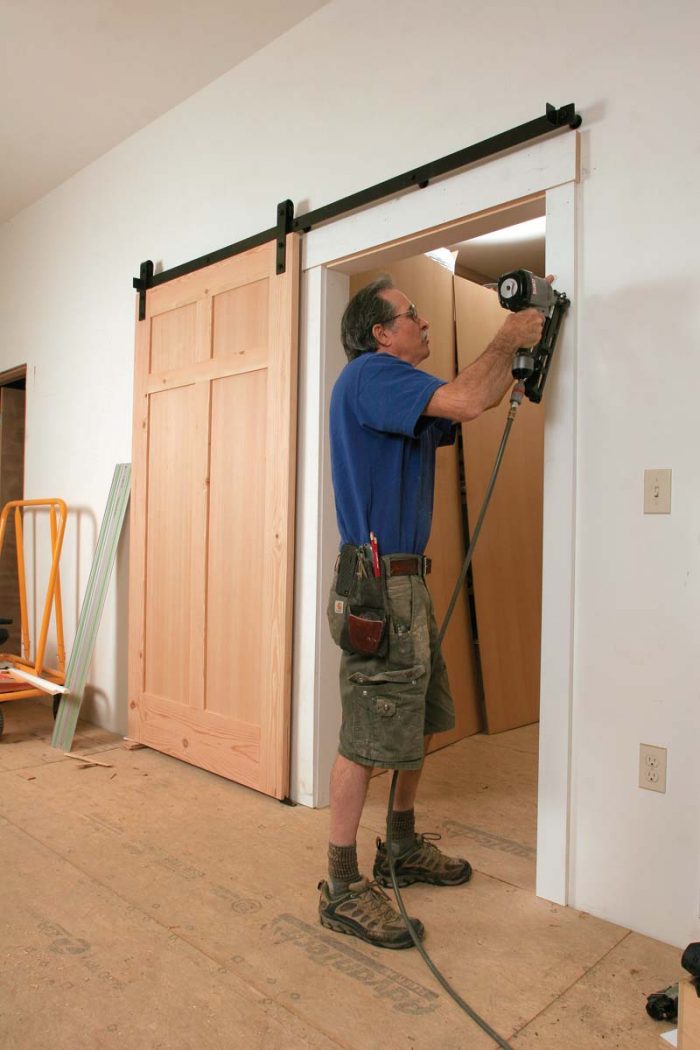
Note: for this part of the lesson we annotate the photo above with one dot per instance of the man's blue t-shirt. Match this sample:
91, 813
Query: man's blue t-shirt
383, 452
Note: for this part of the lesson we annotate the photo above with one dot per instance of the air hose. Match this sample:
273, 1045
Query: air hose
516, 398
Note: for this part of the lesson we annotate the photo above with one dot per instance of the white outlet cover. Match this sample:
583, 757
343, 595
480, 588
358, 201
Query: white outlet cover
652, 767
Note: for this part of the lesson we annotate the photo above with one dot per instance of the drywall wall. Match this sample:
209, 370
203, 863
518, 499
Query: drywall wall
353, 96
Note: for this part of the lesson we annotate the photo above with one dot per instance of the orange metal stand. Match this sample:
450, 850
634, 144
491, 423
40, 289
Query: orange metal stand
58, 513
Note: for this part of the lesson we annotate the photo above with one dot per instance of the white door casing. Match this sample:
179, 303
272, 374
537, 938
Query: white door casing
488, 196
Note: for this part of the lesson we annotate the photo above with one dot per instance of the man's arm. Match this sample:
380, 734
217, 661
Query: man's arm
482, 384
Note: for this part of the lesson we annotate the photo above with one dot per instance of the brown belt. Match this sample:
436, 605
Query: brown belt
416, 565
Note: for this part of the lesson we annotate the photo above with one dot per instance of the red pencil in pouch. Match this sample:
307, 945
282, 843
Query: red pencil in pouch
375, 554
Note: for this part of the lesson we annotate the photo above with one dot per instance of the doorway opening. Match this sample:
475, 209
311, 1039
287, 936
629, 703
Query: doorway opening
12, 412
492, 646
502, 193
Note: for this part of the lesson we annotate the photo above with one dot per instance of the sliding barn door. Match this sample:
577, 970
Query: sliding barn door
507, 567
212, 514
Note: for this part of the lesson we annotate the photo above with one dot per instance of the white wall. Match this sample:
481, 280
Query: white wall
357, 93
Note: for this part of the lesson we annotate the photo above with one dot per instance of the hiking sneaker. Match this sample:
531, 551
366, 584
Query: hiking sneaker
422, 862
365, 911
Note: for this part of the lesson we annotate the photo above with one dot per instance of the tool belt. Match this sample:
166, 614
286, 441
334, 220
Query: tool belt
357, 603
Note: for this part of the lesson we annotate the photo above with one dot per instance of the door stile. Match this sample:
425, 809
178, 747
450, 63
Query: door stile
137, 524
201, 441
280, 500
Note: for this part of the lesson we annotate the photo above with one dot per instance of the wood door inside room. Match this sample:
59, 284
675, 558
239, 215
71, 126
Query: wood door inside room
12, 409
507, 565
429, 285
212, 518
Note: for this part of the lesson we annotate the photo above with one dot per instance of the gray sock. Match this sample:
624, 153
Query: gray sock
403, 830
342, 867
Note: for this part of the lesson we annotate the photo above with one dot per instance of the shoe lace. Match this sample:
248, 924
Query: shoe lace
379, 901
427, 841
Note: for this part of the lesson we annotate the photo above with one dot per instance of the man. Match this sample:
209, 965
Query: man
387, 419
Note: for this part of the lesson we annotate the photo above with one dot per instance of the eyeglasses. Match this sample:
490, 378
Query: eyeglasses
411, 313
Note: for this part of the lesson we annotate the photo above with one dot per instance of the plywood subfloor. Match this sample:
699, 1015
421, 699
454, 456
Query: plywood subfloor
154, 906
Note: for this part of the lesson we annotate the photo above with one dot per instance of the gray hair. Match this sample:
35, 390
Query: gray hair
365, 309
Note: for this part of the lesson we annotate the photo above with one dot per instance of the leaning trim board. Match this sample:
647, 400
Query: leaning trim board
91, 609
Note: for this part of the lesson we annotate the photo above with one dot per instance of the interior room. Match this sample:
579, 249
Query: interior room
188, 201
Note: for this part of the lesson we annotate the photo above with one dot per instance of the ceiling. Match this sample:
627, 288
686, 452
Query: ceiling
79, 76
519, 247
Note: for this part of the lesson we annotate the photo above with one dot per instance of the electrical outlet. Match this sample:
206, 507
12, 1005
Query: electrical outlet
652, 767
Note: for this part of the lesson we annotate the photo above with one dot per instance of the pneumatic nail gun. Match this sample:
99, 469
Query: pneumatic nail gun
521, 290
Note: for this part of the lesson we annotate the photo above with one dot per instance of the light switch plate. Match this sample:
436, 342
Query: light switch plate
657, 491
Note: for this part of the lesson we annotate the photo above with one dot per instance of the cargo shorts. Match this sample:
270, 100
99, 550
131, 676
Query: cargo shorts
390, 703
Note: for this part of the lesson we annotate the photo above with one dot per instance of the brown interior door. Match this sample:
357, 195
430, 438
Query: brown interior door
507, 566
212, 515
12, 403
429, 286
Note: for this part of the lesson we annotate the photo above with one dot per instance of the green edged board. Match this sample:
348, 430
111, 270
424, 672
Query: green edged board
91, 609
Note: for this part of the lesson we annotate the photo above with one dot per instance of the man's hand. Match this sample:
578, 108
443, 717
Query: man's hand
523, 328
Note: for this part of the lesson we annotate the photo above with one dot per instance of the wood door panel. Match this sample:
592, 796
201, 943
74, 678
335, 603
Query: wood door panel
507, 566
168, 553
236, 635
241, 320
212, 529
173, 338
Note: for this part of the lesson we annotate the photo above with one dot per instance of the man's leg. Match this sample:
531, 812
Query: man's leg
403, 820
350, 903
416, 858
349, 782
407, 784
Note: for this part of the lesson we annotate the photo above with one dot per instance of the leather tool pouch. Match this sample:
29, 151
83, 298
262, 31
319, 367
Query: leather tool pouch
356, 610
